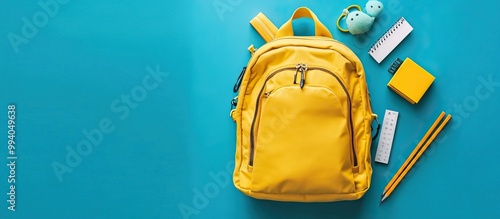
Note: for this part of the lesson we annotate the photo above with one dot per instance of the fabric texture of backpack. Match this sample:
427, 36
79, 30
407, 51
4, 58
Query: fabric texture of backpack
303, 118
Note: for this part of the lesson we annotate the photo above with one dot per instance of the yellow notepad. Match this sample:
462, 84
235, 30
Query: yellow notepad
410, 81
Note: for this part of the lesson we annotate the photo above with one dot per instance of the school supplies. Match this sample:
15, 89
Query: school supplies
415, 155
390, 40
386, 136
410, 80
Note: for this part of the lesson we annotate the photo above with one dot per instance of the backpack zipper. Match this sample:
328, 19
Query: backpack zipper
252, 128
351, 129
302, 68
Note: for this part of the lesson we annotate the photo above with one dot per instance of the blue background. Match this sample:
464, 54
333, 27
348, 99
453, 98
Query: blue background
175, 141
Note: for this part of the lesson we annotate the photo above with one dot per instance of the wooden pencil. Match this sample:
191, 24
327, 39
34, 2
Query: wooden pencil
413, 159
413, 153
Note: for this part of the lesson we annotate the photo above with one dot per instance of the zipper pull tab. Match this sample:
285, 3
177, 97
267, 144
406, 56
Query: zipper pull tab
237, 85
303, 68
266, 94
302, 80
298, 66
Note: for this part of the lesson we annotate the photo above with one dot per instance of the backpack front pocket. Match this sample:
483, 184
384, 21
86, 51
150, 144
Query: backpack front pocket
303, 142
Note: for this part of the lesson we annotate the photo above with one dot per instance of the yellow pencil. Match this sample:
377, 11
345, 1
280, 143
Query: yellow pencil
413, 159
412, 155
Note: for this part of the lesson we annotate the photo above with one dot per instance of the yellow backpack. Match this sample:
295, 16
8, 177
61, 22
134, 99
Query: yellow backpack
303, 118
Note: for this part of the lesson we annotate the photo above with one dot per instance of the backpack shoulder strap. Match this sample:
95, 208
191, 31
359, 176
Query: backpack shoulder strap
266, 29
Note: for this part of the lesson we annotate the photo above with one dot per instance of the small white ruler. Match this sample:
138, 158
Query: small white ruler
386, 136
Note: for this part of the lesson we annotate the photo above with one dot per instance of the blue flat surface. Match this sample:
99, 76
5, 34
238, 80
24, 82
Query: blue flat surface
122, 108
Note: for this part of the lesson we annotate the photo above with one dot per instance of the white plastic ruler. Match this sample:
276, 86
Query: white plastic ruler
386, 136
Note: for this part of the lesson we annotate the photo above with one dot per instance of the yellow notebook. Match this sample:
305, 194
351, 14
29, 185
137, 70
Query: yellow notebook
410, 80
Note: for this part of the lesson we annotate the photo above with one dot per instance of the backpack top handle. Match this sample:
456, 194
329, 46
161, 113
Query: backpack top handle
287, 28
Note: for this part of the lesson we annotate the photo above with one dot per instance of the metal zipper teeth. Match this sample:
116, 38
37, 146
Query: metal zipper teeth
355, 159
252, 141
252, 128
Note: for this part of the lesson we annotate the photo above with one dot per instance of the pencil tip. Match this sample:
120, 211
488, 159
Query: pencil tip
383, 198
